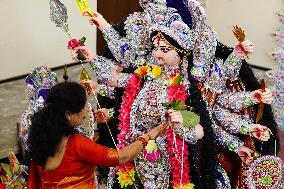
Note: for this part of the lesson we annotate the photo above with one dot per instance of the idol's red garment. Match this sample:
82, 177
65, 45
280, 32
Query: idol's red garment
77, 166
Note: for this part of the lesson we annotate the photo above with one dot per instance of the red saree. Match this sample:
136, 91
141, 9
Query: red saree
77, 166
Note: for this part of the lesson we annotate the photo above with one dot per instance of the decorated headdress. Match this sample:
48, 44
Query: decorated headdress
191, 11
143, 3
170, 22
39, 82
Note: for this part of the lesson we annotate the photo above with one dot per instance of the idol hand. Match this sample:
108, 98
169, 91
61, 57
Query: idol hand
246, 155
87, 53
99, 21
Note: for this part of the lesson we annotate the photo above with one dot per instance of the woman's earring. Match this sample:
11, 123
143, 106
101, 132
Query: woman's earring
69, 118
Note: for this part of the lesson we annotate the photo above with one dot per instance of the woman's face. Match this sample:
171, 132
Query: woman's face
164, 53
77, 119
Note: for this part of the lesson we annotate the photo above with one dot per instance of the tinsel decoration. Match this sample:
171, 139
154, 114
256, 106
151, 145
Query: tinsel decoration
278, 56
58, 15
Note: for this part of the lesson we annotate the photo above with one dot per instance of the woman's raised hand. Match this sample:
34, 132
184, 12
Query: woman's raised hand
99, 21
155, 132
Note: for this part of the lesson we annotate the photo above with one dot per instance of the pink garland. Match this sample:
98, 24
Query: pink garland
175, 164
128, 98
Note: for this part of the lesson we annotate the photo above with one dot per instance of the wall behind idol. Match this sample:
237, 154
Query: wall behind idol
257, 17
28, 38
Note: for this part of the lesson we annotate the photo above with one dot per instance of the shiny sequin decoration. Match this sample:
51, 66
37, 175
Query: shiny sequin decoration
265, 173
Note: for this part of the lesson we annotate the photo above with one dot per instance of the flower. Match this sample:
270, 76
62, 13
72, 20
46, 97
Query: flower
177, 92
240, 51
176, 79
152, 156
126, 167
151, 146
156, 71
73, 43
151, 152
126, 178
141, 71
186, 186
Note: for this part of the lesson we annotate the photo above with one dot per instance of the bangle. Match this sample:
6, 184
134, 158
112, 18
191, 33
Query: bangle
142, 140
111, 112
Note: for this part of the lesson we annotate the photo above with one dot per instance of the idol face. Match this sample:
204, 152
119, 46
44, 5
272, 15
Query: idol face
164, 53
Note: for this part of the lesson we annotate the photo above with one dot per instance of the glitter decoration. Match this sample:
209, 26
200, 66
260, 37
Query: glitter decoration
265, 173
58, 15
278, 76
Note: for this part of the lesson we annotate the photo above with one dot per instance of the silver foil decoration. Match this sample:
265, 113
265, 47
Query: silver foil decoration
58, 15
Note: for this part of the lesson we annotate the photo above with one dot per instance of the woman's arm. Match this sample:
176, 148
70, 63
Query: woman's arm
98, 155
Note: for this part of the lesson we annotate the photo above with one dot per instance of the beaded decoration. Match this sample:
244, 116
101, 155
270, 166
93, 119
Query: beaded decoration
265, 173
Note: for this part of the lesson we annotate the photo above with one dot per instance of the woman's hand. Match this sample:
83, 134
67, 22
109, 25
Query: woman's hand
260, 132
91, 87
101, 115
99, 21
246, 155
153, 133
244, 48
88, 54
258, 96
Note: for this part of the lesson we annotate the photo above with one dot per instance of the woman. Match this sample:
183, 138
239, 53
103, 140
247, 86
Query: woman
61, 157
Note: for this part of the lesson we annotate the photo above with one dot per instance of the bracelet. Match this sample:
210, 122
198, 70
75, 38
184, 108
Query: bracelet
111, 112
143, 141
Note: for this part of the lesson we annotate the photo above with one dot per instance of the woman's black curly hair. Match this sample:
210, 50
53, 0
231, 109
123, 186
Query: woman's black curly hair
202, 157
50, 124
251, 83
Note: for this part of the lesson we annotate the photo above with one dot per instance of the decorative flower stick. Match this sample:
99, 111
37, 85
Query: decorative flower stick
261, 104
58, 15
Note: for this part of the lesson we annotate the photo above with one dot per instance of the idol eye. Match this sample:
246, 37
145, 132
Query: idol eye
165, 49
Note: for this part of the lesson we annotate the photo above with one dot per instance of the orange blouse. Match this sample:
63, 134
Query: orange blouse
77, 166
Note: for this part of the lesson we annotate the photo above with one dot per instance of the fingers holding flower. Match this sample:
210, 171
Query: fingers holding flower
244, 48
